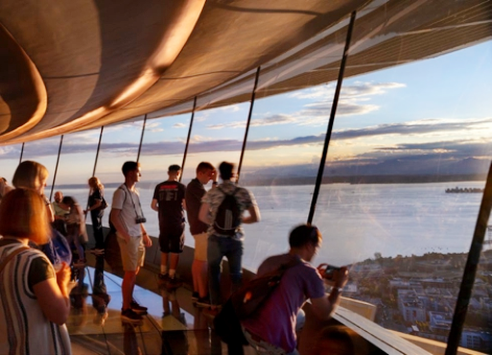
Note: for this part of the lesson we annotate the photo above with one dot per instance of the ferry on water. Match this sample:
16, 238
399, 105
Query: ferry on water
350, 115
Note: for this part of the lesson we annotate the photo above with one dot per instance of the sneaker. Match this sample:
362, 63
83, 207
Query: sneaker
203, 302
173, 284
135, 307
162, 280
129, 316
195, 296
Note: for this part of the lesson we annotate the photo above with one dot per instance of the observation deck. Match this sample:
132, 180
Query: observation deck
174, 326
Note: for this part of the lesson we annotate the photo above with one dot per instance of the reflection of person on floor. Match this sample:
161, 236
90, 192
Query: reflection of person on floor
78, 298
130, 342
100, 297
170, 305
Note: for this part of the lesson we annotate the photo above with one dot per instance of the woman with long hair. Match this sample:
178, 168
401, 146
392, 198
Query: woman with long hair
34, 299
33, 176
97, 204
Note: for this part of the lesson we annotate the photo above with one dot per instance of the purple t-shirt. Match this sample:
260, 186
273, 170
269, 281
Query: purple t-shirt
275, 322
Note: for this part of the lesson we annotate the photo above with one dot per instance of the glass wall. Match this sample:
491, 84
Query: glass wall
216, 136
9, 155
163, 145
410, 146
76, 164
44, 151
119, 144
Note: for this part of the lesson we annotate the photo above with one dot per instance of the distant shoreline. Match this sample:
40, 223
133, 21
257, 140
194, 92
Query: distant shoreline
310, 180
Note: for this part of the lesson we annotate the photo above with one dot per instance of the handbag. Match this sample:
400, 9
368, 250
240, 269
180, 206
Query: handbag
103, 205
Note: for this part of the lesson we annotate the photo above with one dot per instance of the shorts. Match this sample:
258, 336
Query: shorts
201, 243
171, 239
132, 252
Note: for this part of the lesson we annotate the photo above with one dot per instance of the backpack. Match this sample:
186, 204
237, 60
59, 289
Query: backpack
246, 301
228, 216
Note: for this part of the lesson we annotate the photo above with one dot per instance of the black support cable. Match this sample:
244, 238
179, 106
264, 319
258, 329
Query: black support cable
188, 139
97, 151
141, 138
22, 153
95, 163
56, 166
250, 113
322, 163
470, 270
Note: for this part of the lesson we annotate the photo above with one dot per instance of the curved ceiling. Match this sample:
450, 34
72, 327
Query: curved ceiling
75, 64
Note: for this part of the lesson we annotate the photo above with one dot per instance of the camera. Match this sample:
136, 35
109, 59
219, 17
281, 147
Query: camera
140, 220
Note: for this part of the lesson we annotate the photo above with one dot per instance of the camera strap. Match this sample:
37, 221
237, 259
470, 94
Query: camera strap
139, 215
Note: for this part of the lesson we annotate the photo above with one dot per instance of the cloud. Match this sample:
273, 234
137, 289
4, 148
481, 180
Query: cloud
354, 100
179, 125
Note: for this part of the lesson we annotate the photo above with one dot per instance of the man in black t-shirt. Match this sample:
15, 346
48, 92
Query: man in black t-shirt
194, 193
169, 202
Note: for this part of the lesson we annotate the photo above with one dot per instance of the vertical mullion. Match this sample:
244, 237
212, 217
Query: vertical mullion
56, 166
188, 138
21, 153
248, 122
97, 151
141, 138
470, 270
332, 119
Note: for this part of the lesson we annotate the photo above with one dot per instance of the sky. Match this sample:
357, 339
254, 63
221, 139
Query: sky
433, 110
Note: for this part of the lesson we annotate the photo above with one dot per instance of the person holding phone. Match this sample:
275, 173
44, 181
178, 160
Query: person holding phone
273, 327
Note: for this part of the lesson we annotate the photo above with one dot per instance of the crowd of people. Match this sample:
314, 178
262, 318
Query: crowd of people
35, 233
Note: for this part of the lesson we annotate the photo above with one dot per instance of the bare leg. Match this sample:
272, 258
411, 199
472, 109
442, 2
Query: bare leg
174, 264
127, 288
164, 258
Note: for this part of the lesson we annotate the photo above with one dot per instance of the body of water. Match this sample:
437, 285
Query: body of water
356, 220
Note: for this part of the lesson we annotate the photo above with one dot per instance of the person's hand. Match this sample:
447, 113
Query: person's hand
63, 274
340, 277
147, 241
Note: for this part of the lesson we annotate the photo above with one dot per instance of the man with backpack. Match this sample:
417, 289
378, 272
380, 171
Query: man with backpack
223, 209
272, 327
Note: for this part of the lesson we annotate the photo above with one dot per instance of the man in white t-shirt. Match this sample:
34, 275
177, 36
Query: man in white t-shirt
127, 218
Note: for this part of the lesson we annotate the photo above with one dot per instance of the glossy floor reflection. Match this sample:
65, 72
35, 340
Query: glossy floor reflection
95, 326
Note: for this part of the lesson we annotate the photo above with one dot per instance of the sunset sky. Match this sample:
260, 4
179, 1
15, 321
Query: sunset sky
432, 108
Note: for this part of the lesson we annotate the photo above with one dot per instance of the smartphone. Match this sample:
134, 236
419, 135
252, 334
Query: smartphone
329, 271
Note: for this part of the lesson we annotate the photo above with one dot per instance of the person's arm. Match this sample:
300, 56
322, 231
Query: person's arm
49, 211
52, 295
97, 204
204, 214
254, 215
154, 205
146, 238
116, 220
184, 204
324, 306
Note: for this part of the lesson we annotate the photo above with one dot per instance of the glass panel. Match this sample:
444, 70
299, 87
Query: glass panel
10, 155
216, 136
119, 144
280, 165
163, 145
406, 142
76, 165
44, 151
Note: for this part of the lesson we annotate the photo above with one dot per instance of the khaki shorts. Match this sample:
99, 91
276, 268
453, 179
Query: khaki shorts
132, 252
201, 242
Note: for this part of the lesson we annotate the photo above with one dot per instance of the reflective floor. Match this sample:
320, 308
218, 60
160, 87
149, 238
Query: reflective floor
172, 326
